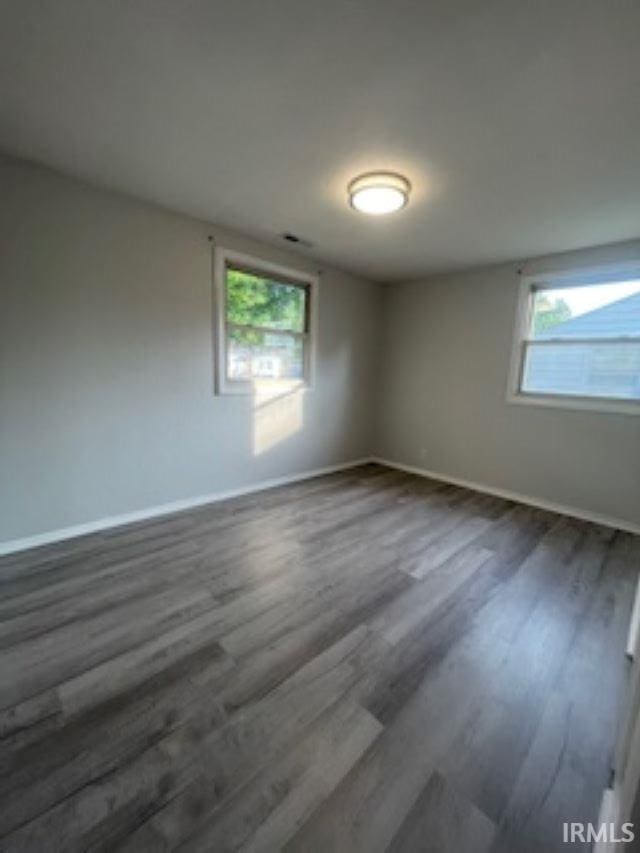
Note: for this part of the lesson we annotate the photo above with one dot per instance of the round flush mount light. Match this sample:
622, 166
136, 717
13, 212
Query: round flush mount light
378, 193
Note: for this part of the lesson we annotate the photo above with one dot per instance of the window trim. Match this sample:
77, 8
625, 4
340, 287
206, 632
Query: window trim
550, 281
228, 257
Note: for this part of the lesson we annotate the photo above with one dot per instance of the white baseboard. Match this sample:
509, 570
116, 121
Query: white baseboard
540, 503
11, 546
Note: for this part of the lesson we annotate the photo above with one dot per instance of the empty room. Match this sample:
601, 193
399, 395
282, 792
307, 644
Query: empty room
320, 426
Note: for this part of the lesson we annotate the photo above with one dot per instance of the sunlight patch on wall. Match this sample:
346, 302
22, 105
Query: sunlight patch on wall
278, 414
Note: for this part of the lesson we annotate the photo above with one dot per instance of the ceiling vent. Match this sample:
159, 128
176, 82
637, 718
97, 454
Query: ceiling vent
293, 238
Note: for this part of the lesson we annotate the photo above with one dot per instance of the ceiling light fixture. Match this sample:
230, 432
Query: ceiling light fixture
378, 193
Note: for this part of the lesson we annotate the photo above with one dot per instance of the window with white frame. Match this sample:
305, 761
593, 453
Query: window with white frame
264, 324
578, 341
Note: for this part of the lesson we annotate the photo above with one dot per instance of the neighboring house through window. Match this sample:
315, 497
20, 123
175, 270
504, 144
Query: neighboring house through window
578, 342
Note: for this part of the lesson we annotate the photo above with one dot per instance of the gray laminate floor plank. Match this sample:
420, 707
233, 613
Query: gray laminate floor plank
441, 821
363, 661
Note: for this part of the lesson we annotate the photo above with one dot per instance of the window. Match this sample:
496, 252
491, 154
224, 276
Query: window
578, 342
264, 325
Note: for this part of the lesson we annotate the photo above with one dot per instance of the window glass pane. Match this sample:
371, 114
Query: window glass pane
591, 311
254, 300
264, 355
585, 370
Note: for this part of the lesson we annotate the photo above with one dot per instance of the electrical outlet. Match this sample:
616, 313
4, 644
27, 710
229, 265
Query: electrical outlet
423, 453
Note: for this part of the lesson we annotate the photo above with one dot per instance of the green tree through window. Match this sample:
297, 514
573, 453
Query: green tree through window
549, 313
266, 326
253, 300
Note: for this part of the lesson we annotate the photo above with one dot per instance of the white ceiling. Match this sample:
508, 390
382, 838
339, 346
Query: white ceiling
518, 121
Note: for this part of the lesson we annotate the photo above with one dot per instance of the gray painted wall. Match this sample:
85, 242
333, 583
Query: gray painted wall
106, 362
106, 373
443, 407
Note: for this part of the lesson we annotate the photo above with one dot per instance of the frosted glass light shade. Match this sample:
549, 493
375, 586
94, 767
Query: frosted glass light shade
377, 193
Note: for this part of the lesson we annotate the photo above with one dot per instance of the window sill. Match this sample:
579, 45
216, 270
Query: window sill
270, 388
579, 404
